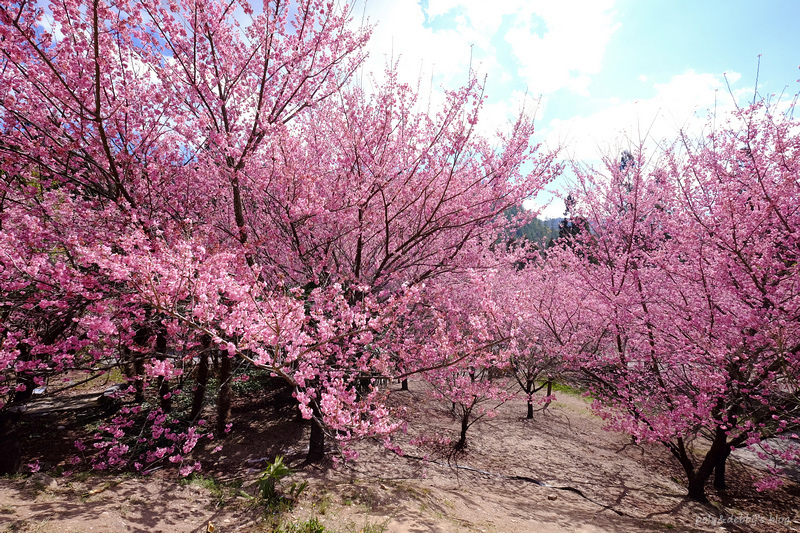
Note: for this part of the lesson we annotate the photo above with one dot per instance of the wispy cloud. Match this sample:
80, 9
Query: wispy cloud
540, 45
561, 44
681, 104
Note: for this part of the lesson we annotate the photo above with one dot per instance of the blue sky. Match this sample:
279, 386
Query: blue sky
606, 73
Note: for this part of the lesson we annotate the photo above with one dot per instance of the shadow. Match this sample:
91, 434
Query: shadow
599, 474
132, 504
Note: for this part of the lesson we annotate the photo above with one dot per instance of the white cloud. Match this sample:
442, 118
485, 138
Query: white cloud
400, 33
499, 115
479, 15
561, 44
549, 45
733, 77
552, 207
679, 104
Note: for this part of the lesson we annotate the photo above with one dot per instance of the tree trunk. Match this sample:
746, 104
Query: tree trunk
719, 471
10, 455
714, 461
714, 458
25, 394
462, 441
202, 381
404, 384
316, 442
164, 396
529, 385
138, 381
224, 395
549, 392
697, 489
134, 366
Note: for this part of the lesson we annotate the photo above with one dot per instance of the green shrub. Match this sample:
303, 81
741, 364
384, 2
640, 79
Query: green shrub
268, 493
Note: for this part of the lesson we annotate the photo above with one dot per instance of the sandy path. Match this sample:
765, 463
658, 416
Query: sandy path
624, 487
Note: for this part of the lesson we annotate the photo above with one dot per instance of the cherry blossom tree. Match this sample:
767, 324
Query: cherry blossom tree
409, 198
689, 281
545, 331
471, 393
126, 130
184, 179
464, 348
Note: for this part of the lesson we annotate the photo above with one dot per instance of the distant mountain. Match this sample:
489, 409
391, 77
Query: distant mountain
537, 230
553, 224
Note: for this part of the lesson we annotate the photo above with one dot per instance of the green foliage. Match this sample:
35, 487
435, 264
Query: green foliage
251, 380
312, 525
535, 231
268, 494
207, 482
566, 388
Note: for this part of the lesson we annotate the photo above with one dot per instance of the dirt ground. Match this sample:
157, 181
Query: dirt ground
558, 472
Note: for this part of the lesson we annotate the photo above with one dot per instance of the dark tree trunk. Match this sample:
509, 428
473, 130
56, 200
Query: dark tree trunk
224, 395
462, 440
549, 391
202, 380
138, 381
529, 385
714, 458
24, 395
697, 489
134, 366
404, 384
10, 454
164, 396
719, 471
316, 441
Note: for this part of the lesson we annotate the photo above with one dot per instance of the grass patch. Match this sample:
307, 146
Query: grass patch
312, 525
571, 389
322, 504
222, 493
368, 527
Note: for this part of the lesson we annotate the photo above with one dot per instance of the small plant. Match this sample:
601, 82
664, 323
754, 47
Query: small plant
267, 487
369, 528
312, 525
323, 504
